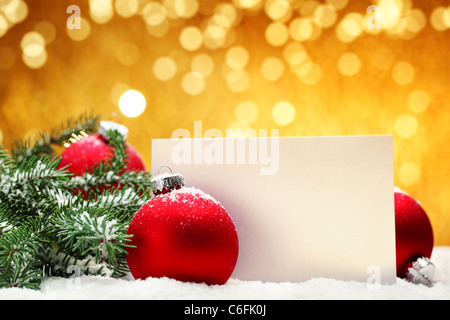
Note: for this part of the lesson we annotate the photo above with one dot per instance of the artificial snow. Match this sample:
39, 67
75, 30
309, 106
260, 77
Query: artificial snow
111, 125
97, 287
196, 193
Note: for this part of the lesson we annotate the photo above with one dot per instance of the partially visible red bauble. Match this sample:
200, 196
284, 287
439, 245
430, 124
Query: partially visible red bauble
413, 232
84, 154
183, 234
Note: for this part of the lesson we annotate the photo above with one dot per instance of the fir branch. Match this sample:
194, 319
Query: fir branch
26, 204
23, 150
42, 172
6, 160
93, 232
139, 180
97, 181
57, 263
22, 274
122, 202
46, 228
18, 266
6, 224
21, 188
117, 141
87, 123
43, 143
62, 197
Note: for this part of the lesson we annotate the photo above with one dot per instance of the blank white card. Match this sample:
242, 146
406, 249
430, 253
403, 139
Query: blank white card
304, 207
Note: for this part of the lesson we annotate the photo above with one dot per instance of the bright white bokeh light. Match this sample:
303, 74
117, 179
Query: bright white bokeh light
132, 103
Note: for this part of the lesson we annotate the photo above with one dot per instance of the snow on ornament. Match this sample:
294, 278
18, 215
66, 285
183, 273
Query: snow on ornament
111, 125
182, 233
414, 240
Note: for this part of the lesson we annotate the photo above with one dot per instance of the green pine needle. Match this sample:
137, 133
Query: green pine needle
53, 223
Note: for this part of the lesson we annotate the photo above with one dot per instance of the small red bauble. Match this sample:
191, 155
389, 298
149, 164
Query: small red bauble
183, 234
84, 154
413, 232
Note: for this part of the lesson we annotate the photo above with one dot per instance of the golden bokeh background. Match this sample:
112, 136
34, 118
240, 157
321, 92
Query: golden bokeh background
305, 67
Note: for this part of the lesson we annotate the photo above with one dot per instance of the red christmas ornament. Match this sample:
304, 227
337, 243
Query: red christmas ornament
182, 233
84, 154
414, 239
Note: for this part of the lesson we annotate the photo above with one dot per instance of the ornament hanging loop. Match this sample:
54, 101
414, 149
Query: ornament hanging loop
162, 167
166, 182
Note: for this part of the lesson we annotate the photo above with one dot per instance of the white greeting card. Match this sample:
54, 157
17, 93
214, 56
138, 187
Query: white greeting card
304, 207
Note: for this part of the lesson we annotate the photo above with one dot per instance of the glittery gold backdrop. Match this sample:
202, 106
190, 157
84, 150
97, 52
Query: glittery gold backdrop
305, 67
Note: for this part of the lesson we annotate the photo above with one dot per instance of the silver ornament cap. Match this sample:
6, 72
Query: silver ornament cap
166, 182
421, 272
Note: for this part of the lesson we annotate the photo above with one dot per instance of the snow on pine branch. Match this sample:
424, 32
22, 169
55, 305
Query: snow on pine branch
121, 199
87, 181
71, 221
95, 232
58, 263
25, 182
18, 249
126, 197
99, 227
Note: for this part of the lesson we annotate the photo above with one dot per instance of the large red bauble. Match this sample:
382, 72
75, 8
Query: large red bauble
184, 235
413, 232
84, 154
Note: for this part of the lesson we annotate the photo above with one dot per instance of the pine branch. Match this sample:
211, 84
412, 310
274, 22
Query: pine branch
87, 123
6, 224
6, 160
47, 228
140, 181
18, 266
20, 274
57, 263
43, 143
93, 232
123, 202
21, 187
